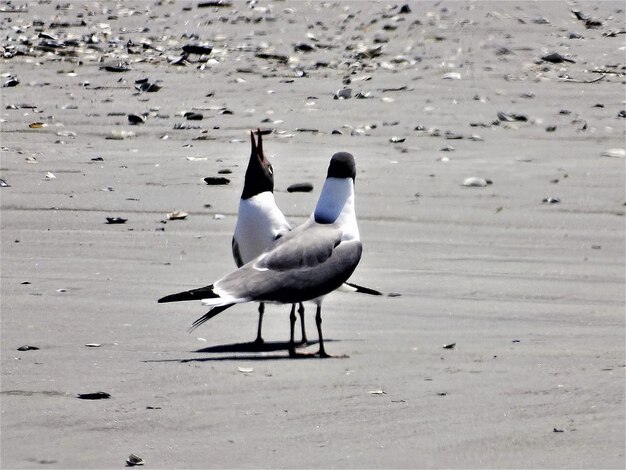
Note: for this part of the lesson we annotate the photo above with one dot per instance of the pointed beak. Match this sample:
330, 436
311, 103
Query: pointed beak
260, 153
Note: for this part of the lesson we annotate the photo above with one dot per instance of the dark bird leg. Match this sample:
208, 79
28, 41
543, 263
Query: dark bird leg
301, 312
318, 321
292, 323
259, 338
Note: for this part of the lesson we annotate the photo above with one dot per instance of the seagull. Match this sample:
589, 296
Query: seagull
260, 222
304, 264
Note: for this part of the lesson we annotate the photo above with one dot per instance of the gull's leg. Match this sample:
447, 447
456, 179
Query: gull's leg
292, 323
318, 321
259, 338
301, 312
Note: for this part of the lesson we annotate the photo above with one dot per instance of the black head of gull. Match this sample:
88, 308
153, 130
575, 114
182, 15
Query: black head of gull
342, 166
260, 174
336, 202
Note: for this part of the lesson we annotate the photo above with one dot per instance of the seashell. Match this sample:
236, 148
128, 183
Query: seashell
475, 182
452, 136
50, 176
177, 215
11, 82
120, 67
135, 119
193, 116
343, 94
510, 117
397, 140
119, 135
4, 184
94, 396
180, 60
134, 460
116, 220
303, 47
197, 48
614, 153
449, 346
451, 76
551, 200
556, 58
215, 4
28, 347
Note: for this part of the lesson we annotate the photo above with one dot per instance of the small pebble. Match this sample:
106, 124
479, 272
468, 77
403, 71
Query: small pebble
216, 180
300, 188
94, 396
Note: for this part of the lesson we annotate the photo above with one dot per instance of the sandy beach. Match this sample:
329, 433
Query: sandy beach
489, 141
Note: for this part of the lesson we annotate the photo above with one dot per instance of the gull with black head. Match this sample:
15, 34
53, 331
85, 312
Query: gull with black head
260, 222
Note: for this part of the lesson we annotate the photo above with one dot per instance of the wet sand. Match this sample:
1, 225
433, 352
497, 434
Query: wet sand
531, 292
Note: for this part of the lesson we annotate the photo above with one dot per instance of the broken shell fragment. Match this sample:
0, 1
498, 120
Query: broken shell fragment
556, 58
476, 182
116, 220
134, 119
551, 200
120, 67
197, 48
134, 460
177, 215
94, 396
614, 153
192, 116
343, 94
11, 82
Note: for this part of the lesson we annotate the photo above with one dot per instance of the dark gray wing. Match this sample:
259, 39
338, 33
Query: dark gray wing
300, 266
310, 248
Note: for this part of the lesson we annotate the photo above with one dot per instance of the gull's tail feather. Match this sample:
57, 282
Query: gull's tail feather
207, 316
363, 290
194, 294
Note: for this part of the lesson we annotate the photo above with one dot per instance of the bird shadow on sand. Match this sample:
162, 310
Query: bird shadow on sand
245, 352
